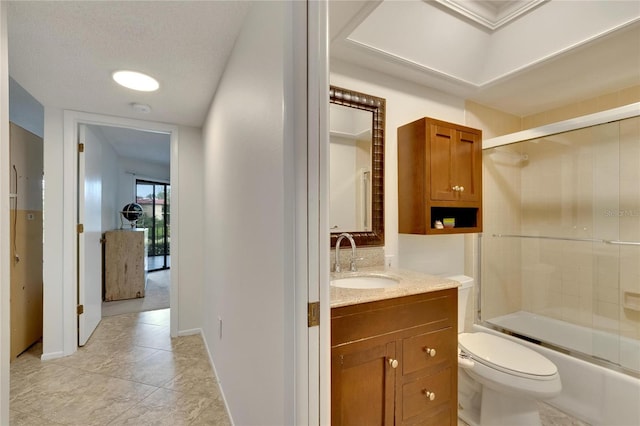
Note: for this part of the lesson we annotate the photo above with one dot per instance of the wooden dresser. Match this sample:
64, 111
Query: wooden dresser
124, 264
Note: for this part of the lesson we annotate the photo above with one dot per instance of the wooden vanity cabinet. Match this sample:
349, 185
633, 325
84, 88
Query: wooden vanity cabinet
393, 362
439, 176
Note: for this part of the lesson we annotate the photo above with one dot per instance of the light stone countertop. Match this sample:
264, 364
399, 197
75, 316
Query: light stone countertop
410, 283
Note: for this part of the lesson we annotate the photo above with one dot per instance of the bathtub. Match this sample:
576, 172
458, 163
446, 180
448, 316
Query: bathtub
595, 394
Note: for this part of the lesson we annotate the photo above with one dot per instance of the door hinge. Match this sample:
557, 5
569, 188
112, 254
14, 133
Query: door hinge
80, 147
80, 309
80, 228
313, 314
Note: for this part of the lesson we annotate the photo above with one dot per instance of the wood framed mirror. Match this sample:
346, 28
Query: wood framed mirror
368, 177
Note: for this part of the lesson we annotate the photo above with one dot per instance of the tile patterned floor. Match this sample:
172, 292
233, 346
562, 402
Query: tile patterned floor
130, 373
550, 416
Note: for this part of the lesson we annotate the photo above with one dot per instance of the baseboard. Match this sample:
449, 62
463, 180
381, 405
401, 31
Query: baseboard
224, 399
51, 355
191, 332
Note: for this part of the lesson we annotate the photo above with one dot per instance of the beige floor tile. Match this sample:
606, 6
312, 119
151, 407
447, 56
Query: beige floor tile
214, 414
21, 419
130, 365
76, 397
165, 407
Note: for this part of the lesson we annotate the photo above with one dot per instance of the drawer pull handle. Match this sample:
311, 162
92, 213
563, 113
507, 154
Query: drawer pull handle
430, 395
393, 363
430, 351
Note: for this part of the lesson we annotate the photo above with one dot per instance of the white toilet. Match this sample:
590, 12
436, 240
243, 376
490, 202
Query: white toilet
499, 381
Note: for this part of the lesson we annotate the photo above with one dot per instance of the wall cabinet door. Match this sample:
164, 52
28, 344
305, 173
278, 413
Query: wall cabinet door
439, 176
455, 164
363, 384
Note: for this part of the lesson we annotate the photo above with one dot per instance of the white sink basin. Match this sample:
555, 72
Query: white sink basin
365, 282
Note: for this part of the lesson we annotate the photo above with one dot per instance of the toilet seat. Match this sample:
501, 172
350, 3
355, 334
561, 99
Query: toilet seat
506, 356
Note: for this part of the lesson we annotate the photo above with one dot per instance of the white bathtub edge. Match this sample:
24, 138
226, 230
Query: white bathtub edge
590, 393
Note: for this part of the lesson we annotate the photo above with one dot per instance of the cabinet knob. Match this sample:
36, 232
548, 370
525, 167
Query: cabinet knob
456, 188
430, 351
461, 189
430, 395
393, 363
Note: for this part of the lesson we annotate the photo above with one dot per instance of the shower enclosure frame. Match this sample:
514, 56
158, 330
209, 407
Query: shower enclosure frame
583, 122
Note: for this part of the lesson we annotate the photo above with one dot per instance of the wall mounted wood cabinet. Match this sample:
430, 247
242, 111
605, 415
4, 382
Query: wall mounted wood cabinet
439, 177
394, 362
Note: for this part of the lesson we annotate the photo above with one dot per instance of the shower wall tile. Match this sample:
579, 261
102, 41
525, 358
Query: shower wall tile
492, 122
589, 106
570, 308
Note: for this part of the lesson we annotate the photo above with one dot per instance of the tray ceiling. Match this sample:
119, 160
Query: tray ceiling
542, 57
491, 13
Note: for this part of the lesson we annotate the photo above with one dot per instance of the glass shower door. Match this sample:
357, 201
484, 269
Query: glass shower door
561, 244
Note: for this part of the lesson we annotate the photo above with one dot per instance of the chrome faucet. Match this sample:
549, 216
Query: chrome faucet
352, 265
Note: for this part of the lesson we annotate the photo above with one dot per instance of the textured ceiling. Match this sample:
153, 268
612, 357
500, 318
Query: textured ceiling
64, 52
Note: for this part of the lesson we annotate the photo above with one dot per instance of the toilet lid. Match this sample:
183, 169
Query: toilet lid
505, 355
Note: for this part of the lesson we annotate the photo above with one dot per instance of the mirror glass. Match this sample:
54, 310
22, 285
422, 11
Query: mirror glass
350, 169
356, 122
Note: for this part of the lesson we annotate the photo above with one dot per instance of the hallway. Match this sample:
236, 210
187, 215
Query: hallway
130, 373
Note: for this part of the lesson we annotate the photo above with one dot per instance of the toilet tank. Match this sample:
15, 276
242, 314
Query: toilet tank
466, 284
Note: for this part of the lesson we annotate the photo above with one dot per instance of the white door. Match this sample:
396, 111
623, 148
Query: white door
89, 245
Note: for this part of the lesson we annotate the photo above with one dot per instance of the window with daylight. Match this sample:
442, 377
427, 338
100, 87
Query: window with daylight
154, 197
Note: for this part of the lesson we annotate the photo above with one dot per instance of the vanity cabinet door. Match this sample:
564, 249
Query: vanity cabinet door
387, 354
363, 380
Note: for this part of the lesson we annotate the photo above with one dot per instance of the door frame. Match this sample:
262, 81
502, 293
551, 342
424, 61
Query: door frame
72, 119
318, 380
5, 329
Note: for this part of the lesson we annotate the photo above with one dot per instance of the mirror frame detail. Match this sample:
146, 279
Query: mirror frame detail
349, 98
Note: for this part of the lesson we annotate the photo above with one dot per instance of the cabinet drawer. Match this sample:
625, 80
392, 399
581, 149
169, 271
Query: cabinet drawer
416, 404
428, 350
352, 323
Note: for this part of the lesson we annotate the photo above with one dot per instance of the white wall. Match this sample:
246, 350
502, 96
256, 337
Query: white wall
247, 237
25, 110
406, 102
193, 264
54, 253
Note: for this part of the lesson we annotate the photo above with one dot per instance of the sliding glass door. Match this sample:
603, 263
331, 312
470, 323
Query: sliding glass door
154, 197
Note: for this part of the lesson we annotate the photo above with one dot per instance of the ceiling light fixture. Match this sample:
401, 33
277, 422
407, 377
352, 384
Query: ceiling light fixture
136, 81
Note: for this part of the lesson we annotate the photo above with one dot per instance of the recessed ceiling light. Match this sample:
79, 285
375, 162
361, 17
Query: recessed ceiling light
136, 81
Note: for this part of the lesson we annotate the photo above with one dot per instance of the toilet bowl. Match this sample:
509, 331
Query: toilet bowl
500, 381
